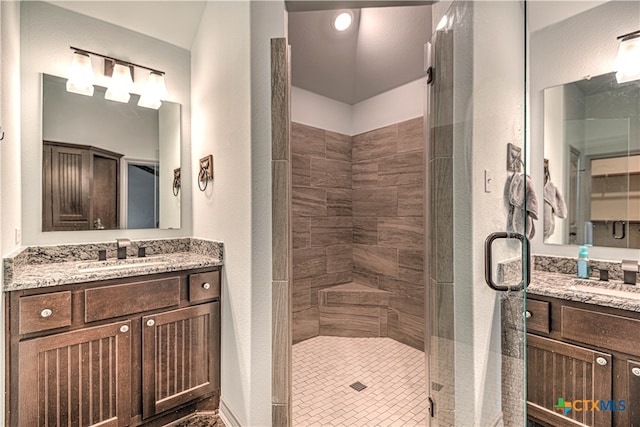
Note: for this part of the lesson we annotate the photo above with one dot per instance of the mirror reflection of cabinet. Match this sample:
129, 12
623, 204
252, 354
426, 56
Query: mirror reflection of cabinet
81, 187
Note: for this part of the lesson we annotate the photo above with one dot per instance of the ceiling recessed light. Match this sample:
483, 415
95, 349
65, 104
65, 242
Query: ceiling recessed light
343, 21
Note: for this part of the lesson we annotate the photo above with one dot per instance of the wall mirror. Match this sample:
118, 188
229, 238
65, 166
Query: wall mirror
592, 162
108, 165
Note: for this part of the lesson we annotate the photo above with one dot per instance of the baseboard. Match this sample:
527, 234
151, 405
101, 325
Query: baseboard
227, 415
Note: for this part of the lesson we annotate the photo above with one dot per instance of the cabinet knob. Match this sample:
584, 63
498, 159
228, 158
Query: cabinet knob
206, 286
528, 314
151, 322
636, 372
124, 328
601, 361
46, 312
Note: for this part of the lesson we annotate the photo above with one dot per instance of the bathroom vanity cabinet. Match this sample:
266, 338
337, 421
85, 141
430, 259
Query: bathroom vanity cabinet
134, 351
582, 352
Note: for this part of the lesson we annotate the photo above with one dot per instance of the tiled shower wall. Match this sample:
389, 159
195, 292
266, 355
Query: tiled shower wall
388, 223
322, 220
358, 215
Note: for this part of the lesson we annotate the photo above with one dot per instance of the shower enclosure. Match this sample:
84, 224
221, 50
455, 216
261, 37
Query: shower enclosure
394, 234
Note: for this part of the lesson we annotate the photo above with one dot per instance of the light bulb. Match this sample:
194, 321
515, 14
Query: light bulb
343, 21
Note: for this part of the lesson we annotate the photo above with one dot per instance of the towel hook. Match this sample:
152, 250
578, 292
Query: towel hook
206, 172
1, 134
176, 181
514, 158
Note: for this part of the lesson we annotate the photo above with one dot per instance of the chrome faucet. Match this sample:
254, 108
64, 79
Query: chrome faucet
123, 244
630, 271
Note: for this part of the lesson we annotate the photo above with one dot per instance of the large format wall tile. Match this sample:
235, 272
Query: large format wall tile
307, 140
330, 173
376, 259
375, 201
401, 232
338, 146
331, 230
339, 202
308, 201
402, 169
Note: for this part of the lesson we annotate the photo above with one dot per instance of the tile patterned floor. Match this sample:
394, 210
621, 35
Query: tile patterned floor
325, 367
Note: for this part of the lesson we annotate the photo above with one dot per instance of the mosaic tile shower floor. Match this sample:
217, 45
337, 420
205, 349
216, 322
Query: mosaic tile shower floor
325, 367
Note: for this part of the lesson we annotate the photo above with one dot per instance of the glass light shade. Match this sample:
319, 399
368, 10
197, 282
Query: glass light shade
154, 92
80, 75
120, 85
628, 61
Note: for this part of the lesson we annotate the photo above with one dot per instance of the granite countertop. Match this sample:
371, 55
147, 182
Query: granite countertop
40, 267
568, 287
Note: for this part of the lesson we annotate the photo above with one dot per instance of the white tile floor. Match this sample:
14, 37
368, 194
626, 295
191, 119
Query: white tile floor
325, 367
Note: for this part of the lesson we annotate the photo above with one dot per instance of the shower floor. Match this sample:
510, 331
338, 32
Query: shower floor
325, 367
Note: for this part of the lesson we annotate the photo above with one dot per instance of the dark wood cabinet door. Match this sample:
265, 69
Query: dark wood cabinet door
558, 370
69, 189
79, 378
180, 356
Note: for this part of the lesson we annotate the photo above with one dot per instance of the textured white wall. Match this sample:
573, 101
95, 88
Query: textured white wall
567, 51
396, 105
9, 149
231, 119
47, 32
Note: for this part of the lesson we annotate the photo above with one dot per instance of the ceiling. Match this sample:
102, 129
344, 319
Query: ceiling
383, 49
156, 19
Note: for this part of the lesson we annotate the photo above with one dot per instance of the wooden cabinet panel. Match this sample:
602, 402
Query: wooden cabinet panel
601, 329
107, 302
559, 370
538, 314
68, 208
76, 378
204, 286
179, 352
43, 312
633, 388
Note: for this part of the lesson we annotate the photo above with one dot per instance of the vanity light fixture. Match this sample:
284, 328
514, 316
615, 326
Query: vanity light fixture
343, 20
81, 79
80, 74
627, 64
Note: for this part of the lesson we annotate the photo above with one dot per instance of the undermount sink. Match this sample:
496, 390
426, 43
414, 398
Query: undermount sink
631, 293
119, 264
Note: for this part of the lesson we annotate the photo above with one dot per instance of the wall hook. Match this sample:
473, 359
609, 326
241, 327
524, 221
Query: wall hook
1, 134
206, 172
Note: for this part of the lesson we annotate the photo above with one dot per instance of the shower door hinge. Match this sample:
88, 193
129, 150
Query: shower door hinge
430, 408
430, 76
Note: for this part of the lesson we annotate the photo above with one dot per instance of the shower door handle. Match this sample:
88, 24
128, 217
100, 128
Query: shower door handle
488, 260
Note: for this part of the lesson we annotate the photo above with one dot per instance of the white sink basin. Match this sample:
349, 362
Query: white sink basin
605, 291
120, 264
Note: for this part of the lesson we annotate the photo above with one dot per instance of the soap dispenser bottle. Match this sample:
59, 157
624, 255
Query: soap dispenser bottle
583, 263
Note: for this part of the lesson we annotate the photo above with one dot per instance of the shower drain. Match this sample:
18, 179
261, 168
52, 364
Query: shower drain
358, 386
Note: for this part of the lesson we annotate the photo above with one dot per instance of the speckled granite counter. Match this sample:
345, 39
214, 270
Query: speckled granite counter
43, 266
564, 286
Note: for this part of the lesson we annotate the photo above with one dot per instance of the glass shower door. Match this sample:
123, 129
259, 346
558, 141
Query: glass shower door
476, 350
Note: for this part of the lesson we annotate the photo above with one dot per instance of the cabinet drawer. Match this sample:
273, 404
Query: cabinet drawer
538, 317
204, 286
600, 329
120, 300
42, 312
